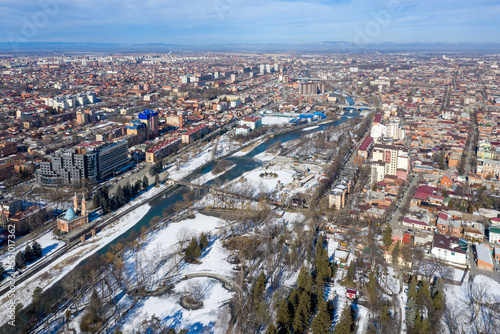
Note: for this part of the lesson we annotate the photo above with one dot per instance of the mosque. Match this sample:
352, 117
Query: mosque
73, 218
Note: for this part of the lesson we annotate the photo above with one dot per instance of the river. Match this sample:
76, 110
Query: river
243, 164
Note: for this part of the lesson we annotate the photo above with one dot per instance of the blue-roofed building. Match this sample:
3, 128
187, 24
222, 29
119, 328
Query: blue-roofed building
320, 115
139, 129
151, 119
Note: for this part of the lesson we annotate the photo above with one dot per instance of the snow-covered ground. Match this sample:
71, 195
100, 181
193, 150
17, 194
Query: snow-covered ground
224, 146
457, 301
48, 242
208, 319
252, 179
59, 268
265, 156
164, 244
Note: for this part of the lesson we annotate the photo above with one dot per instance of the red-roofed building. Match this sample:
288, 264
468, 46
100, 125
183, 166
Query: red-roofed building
413, 223
194, 134
365, 147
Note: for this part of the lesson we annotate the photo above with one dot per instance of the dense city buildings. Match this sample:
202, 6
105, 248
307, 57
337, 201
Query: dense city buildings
391, 159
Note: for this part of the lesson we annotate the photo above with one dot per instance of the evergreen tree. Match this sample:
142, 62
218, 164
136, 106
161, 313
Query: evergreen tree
302, 314
387, 236
257, 291
203, 241
350, 273
304, 280
438, 287
417, 325
127, 191
105, 206
20, 260
120, 196
137, 187
321, 262
28, 253
424, 296
372, 287
385, 317
322, 322
193, 250
293, 299
271, 329
284, 318
438, 296
157, 179
346, 323
37, 250
105, 192
145, 182
96, 200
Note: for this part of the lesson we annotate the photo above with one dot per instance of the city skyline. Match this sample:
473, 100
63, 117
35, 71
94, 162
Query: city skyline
239, 21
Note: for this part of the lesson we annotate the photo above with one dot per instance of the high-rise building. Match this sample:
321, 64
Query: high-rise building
92, 161
390, 160
308, 88
150, 118
82, 118
395, 130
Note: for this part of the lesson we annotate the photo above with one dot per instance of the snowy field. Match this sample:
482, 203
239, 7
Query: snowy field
467, 315
208, 319
252, 179
164, 244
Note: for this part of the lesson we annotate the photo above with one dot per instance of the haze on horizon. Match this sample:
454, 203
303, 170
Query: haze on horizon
202, 22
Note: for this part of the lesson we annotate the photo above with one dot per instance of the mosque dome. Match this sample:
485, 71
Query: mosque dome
70, 214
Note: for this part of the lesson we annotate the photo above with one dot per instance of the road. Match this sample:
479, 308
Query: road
40, 264
414, 179
474, 271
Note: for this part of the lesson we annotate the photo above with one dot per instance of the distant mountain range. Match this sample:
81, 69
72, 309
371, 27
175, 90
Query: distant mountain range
328, 46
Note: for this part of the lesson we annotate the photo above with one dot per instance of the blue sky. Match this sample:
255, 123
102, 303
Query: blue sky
249, 21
